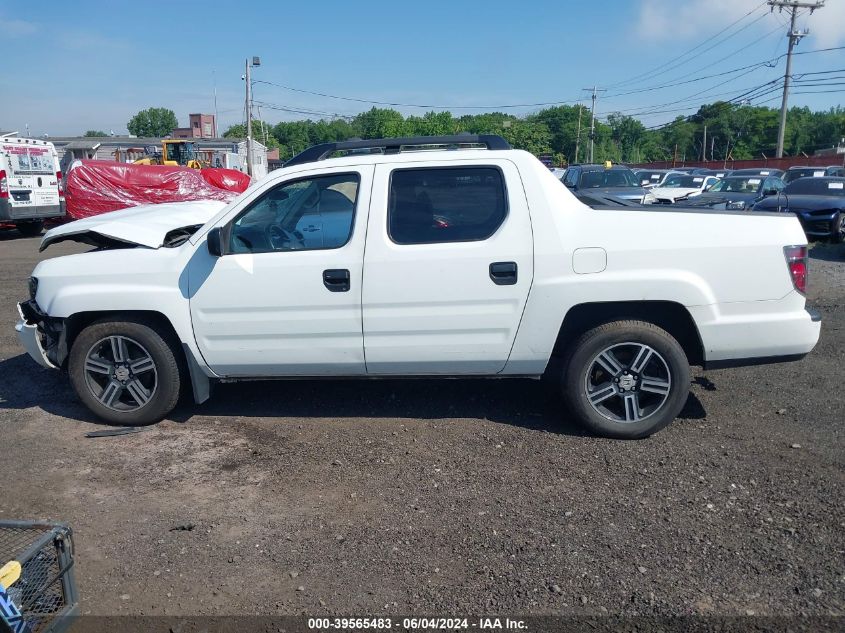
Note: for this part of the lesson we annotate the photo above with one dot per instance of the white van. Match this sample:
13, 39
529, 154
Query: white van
30, 184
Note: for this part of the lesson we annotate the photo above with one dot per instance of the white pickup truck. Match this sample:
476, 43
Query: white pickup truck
430, 256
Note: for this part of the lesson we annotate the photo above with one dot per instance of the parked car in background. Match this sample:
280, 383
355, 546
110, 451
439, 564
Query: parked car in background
706, 171
30, 184
737, 193
819, 204
757, 171
616, 180
794, 173
651, 177
678, 187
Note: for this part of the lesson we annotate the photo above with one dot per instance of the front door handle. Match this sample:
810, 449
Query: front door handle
503, 273
336, 279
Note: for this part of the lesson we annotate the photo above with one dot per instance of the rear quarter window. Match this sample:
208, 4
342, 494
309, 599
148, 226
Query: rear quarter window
438, 205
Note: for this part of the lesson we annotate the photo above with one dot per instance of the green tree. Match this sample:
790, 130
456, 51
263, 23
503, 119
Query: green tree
95, 133
260, 130
530, 135
153, 122
379, 123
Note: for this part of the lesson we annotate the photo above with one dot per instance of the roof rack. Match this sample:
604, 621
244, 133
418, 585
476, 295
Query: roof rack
395, 145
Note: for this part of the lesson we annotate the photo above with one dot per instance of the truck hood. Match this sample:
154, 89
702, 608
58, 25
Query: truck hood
626, 193
146, 225
717, 198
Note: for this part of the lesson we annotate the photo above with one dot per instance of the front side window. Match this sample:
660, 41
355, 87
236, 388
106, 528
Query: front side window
455, 204
309, 214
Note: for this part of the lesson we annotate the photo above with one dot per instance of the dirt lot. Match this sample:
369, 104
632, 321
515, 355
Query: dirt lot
442, 497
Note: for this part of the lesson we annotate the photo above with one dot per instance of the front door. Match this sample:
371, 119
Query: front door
448, 267
285, 297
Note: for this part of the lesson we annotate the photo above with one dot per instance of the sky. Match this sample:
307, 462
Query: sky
68, 67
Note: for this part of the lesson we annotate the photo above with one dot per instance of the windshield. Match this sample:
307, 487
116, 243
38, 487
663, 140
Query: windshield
647, 177
817, 187
740, 185
679, 180
608, 178
795, 174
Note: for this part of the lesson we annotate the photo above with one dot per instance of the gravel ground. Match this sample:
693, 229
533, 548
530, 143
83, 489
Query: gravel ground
442, 497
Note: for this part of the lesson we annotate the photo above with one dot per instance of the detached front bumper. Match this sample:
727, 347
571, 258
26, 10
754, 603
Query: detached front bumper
30, 336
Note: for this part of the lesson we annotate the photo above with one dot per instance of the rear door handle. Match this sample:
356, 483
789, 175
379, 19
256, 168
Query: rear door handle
336, 279
503, 273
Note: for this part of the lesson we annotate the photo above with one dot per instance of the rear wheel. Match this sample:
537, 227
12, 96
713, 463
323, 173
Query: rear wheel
31, 229
626, 379
125, 372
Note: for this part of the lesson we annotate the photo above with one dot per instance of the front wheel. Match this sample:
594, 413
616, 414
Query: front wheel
626, 379
125, 372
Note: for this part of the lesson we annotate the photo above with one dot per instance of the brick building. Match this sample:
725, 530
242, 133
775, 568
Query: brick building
199, 126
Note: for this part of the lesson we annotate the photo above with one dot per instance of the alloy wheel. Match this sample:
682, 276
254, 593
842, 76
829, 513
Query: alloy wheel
120, 373
628, 382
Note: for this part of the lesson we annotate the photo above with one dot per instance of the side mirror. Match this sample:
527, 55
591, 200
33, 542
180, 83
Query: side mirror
770, 192
215, 242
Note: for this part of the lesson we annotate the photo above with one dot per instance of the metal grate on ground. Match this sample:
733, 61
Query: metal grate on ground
45, 592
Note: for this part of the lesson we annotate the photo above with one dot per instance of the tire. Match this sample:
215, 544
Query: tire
619, 396
125, 371
30, 229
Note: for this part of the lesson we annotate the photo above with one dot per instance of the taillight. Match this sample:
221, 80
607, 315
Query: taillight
59, 181
4, 185
796, 261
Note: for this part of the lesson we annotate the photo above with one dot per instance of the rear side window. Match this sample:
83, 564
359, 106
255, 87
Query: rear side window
460, 204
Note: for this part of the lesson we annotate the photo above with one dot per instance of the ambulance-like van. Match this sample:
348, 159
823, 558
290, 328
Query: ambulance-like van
30, 184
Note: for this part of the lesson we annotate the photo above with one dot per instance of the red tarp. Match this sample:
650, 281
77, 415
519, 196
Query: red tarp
99, 186
229, 179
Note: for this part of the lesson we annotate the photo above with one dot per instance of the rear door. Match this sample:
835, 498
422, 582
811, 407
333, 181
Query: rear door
447, 267
19, 181
43, 173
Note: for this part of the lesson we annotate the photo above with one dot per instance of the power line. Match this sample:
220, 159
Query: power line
419, 105
282, 108
770, 63
652, 72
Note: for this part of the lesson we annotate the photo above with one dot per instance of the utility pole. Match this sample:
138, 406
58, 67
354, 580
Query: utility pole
704, 146
578, 133
248, 119
593, 120
794, 36
256, 61
214, 81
